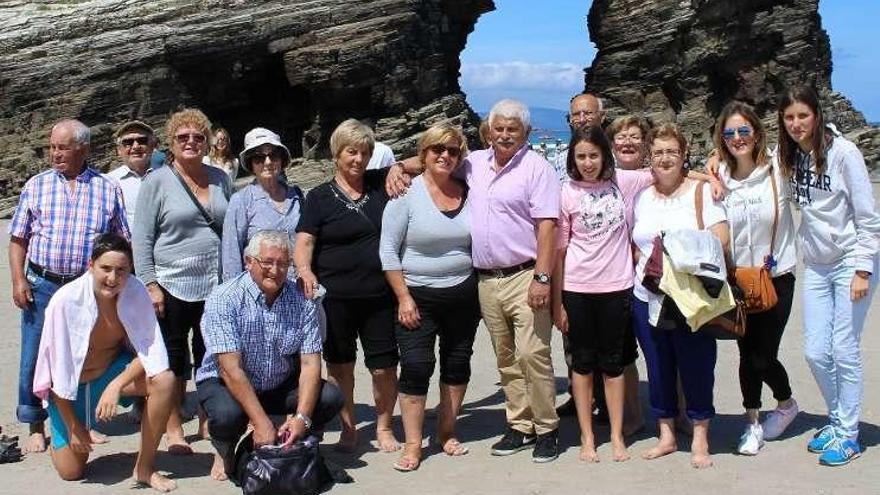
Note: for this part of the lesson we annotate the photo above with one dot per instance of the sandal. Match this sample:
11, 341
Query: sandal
453, 448
9, 450
406, 464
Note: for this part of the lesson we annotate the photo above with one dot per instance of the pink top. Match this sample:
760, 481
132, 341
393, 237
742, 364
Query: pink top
506, 204
594, 228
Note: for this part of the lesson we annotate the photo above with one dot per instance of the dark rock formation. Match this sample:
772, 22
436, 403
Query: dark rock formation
279, 64
685, 60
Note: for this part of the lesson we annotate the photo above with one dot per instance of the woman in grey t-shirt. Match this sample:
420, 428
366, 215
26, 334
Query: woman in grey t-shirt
425, 249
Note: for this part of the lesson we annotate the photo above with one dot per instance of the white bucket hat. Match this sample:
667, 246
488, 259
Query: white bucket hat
257, 137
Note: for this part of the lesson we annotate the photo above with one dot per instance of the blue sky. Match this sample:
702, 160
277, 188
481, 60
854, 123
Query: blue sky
542, 61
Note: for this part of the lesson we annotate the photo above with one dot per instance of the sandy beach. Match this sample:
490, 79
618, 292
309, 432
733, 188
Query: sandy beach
783, 466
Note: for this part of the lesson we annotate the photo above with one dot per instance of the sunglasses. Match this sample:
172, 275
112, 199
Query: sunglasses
260, 157
743, 131
129, 142
440, 148
185, 138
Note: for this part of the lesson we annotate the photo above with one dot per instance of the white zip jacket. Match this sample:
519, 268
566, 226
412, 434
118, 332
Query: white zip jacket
839, 216
749, 207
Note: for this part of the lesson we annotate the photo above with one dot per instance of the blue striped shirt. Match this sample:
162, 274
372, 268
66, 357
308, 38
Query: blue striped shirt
61, 224
236, 319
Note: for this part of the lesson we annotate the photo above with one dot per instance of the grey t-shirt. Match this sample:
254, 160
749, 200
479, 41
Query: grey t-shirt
432, 249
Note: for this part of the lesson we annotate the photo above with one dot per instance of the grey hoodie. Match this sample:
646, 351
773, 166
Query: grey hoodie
840, 218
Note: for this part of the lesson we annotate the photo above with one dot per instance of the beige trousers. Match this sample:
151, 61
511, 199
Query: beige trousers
521, 338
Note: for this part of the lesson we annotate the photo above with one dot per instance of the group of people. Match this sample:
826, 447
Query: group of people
248, 292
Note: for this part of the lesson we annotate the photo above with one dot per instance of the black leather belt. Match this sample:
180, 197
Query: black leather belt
504, 272
50, 275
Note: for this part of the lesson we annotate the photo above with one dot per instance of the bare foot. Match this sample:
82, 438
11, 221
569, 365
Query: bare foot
452, 447
98, 438
203, 429
35, 443
157, 482
588, 454
386, 442
218, 470
176, 445
659, 450
620, 454
348, 441
701, 460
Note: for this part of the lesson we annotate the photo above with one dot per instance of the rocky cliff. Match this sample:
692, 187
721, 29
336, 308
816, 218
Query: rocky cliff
684, 60
288, 65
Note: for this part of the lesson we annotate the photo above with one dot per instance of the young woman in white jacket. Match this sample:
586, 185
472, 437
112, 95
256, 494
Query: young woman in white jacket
756, 206
838, 238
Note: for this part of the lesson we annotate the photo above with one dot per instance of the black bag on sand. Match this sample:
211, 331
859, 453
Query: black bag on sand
298, 469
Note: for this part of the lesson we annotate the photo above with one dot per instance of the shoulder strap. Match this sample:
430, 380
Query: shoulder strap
775, 211
698, 204
208, 218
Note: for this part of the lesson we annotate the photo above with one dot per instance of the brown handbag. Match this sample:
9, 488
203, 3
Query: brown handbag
732, 324
755, 282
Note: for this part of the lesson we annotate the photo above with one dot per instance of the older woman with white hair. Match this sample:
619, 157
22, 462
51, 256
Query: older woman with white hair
337, 243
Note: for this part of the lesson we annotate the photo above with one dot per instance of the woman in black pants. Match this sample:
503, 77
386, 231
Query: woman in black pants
426, 254
762, 233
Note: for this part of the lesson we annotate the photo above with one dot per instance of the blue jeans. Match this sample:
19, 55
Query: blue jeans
673, 353
30, 407
832, 338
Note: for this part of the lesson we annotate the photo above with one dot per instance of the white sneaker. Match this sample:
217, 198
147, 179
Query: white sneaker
751, 440
778, 420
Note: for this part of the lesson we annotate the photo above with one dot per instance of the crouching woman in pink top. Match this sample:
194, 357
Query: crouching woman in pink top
101, 342
594, 278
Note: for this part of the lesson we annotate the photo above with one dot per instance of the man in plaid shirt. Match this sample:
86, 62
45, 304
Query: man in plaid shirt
59, 214
263, 355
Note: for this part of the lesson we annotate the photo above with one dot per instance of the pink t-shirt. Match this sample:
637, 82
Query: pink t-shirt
594, 228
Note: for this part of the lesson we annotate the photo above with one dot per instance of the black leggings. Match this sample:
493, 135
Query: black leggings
759, 348
450, 313
180, 317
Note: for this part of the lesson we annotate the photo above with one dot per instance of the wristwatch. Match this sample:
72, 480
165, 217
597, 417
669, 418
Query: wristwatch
542, 278
307, 421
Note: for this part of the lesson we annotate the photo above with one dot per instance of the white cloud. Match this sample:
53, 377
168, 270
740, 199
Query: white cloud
522, 75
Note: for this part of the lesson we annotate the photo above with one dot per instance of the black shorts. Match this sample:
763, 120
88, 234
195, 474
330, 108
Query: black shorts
600, 332
370, 318
181, 316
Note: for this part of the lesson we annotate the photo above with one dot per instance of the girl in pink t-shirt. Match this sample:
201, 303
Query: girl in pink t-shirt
594, 277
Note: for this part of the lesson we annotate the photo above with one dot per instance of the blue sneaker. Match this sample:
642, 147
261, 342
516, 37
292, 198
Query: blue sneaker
822, 440
840, 452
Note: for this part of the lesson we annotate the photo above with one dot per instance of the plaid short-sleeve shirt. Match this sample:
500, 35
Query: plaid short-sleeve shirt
237, 319
61, 224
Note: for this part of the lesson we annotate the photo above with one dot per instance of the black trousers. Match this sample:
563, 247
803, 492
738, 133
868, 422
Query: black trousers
180, 317
450, 314
227, 421
759, 348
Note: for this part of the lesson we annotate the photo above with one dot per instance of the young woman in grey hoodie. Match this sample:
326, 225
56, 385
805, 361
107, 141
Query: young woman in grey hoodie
838, 237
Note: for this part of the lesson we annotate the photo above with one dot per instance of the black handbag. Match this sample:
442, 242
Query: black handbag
298, 469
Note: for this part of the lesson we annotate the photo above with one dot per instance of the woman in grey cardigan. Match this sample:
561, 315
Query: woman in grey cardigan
425, 249
177, 228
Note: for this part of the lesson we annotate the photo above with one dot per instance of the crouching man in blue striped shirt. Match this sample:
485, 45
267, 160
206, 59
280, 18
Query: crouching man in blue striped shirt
263, 356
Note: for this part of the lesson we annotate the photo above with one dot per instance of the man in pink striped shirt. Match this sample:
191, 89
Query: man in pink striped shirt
59, 214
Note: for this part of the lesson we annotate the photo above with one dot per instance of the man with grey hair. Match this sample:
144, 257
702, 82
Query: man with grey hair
263, 356
516, 196
59, 214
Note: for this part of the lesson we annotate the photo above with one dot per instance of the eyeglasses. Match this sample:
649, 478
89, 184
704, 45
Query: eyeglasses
440, 148
260, 157
622, 138
129, 142
659, 154
267, 264
585, 114
743, 131
185, 138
